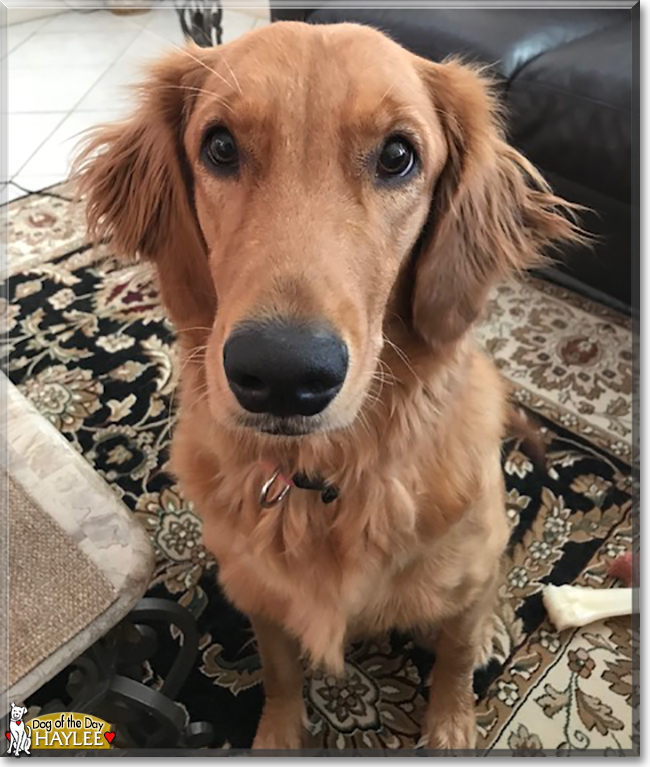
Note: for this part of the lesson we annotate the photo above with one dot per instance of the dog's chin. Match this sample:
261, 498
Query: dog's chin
282, 428
288, 428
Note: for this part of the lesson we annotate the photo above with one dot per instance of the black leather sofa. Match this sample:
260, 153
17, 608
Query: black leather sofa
567, 82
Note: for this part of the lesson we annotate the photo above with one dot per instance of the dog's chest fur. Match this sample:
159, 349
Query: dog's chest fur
407, 542
357, 567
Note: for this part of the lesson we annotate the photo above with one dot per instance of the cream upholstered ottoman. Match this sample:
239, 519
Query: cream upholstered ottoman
76, 561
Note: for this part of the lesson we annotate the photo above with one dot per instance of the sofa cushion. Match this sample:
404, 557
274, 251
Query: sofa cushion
507, 38
571, 111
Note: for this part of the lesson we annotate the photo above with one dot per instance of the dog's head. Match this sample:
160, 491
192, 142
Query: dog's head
17, 712
302, 189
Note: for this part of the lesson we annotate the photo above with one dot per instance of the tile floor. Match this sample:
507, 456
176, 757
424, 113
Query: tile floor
69, 72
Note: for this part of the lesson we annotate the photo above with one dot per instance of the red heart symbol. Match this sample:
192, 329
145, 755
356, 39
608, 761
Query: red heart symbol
109, 736
8, 734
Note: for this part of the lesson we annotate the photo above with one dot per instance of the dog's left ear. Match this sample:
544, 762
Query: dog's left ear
492, 212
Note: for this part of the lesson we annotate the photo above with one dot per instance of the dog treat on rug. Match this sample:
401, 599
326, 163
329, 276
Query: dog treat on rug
621, 568
573, 606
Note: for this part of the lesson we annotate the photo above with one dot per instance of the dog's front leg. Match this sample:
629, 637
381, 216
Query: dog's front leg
281, 722
450, 721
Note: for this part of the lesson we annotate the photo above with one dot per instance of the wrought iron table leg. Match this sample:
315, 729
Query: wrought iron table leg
142, 716
161, 610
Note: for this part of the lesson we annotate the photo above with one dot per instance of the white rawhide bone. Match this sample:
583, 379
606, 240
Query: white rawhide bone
573, 606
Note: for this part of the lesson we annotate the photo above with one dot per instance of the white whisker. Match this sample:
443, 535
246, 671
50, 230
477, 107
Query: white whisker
401, 354
217, 98
195, 58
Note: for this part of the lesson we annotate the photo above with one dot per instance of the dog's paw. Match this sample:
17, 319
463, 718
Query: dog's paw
451, 732
279, 728
269, 740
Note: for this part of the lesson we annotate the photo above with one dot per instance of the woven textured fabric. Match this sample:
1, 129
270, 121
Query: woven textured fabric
55, 591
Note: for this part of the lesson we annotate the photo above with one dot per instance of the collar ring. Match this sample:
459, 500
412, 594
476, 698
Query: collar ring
267, 500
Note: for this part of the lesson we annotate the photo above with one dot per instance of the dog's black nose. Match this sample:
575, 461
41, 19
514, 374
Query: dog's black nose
285, 369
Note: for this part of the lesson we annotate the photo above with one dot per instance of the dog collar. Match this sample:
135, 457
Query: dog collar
283, 485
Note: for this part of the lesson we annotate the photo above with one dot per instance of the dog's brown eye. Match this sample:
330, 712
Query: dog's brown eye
397, 158
221, 149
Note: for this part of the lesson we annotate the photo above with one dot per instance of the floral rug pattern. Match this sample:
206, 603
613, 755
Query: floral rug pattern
88, 344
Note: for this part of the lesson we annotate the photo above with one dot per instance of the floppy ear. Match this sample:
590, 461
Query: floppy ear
138, 188
492, 212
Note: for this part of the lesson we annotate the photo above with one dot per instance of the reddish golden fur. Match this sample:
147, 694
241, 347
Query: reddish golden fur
413, 439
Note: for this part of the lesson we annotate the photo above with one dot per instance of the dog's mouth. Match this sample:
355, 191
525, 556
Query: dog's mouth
276, 426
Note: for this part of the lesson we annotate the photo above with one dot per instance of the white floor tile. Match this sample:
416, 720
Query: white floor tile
55, 155
31, 184
49, 89
62, 50
166, 23
81, 5
260, 11
114, 90
25, 134
154, 40
8, 193
93, 21
18, 33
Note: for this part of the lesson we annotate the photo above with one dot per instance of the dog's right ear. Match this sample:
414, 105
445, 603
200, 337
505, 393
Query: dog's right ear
136, 183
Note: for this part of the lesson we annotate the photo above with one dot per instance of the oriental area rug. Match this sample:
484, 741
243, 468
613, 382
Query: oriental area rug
89, 346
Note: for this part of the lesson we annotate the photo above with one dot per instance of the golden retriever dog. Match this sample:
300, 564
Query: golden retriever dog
326, 213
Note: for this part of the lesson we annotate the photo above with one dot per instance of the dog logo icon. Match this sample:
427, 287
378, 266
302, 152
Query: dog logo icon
19, 735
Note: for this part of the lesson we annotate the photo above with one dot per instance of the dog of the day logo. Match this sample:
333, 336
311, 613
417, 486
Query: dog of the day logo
66, 730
